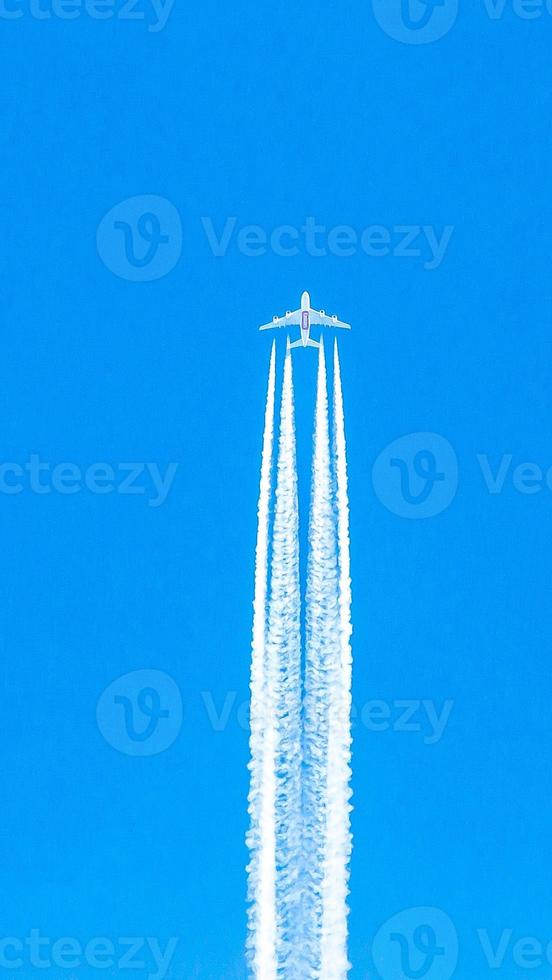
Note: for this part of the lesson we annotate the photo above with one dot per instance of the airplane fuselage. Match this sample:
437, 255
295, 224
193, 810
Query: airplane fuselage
305, 319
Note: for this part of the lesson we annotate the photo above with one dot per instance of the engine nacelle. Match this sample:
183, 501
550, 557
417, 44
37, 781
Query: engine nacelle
322, 312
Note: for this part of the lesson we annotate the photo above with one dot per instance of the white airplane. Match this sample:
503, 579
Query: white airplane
305, 317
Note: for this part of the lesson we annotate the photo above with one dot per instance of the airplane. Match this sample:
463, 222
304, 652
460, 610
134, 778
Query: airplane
305, 317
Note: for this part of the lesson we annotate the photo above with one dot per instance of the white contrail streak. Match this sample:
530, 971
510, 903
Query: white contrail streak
299, 800
334, 959
284, 685
321, 663
261, 837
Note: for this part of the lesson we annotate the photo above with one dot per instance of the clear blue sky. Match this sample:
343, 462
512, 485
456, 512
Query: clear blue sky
271, 114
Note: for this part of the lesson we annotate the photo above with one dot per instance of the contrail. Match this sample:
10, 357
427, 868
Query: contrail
261, 838
283, 659
299, 800
334, 959
322, 655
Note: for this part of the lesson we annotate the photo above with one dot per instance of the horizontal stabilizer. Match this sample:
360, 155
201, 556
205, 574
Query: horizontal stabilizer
296, 343
313, 343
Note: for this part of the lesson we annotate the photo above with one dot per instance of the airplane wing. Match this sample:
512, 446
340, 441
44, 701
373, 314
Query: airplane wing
320, 318
289, 320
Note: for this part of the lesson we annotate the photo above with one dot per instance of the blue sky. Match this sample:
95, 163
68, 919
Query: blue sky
271, 114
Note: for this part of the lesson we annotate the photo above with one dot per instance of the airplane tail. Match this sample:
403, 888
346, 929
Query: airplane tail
299, 343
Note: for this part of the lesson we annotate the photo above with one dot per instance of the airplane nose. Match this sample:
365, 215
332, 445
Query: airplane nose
305, 301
